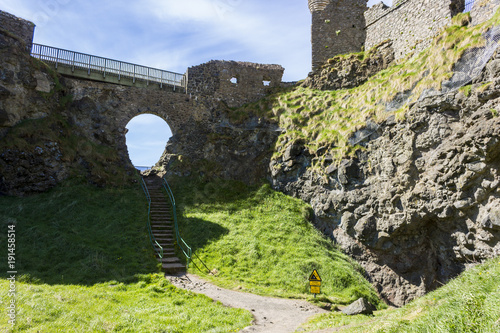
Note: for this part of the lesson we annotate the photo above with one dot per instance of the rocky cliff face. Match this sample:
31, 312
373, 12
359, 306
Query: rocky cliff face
421, 201
43, 139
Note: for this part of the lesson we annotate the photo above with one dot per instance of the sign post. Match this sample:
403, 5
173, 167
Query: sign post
315, 283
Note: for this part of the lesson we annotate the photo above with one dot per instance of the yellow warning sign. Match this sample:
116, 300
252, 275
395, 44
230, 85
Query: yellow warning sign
315, 283
315, 290
314, 276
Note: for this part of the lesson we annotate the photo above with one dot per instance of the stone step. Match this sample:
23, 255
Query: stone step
173, 268
162, 225
162, 229
163, 235
164, 240
169, 260
167, 222
168, 249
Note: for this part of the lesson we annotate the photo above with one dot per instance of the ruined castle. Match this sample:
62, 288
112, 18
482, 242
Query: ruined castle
344, 26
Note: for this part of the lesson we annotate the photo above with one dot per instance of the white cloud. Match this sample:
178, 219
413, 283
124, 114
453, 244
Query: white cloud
190, 10
241, 30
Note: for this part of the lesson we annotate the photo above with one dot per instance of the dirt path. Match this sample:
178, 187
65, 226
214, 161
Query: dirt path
274, 315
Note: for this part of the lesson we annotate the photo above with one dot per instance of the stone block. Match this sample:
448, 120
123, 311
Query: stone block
361, 306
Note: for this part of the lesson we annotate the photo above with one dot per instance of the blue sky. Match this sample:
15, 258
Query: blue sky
174, 35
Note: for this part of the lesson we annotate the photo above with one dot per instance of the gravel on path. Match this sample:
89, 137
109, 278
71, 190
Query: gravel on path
274, 315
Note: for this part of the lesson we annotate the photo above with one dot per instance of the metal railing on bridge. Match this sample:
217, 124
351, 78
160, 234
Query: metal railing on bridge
107, 67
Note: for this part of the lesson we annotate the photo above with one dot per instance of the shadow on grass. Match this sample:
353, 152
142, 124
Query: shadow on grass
57, 254
198, 233
197, 191
64, 253
78, 234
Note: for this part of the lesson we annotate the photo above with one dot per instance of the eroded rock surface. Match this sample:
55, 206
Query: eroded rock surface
348, 71
422, 202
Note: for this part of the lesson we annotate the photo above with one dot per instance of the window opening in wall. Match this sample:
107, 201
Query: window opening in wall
266, 83
147, 136
234, 80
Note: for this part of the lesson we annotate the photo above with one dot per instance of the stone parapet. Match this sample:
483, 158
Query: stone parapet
232, 82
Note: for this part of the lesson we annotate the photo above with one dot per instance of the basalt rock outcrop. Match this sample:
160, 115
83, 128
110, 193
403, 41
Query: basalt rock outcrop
41, 144
352, 70
421, 201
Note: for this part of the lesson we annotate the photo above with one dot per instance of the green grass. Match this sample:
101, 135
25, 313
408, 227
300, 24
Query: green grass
151, 304
261, 241
77, 234
85, 264
468, 303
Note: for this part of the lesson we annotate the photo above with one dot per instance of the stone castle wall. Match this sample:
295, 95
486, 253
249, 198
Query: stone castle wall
410, 25
344, 26
337, 27
21, 28
234, 83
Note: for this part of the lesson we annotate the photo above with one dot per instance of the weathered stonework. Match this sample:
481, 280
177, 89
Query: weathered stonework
77, 116
343, 26
483, 10
19, 27
337, 27
234, 83
344, 72
410, 25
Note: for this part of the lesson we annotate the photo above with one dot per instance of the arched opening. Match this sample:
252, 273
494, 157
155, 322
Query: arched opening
147, 135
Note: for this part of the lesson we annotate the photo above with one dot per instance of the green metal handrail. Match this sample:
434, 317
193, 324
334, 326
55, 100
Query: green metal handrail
156, 246
186, 249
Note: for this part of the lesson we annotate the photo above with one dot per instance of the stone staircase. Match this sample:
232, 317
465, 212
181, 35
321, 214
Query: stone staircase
162, 225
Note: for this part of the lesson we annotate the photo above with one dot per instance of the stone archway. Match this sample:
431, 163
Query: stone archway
146, 138
106, 109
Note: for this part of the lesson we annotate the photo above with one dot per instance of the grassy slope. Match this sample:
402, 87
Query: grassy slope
468, 303
329, 118
260, 241
85, 264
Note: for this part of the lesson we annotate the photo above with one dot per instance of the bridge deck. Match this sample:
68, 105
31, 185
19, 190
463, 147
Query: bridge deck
96, 68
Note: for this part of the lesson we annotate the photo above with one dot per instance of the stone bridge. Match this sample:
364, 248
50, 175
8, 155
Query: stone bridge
106, 94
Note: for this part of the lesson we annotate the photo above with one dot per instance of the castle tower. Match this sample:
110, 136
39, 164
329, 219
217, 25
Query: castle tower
338, 26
